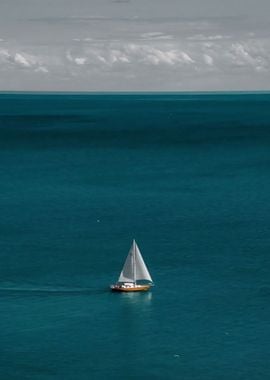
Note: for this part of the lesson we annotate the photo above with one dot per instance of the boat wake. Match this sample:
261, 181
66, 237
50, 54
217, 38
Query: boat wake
52, 291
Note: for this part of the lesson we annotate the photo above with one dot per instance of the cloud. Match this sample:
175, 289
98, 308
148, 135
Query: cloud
193, 55
4, 55
23, 61
145, 59
244, 55
80, 60
41, 69
156, 36
142, 54
10, 60
202, 37
241, 55
208, 60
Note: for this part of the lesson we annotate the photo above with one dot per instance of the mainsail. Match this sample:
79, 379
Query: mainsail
134, 268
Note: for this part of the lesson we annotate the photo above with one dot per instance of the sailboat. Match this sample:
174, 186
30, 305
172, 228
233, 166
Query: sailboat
134, 270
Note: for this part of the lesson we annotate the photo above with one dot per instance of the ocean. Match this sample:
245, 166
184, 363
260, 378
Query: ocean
187, 176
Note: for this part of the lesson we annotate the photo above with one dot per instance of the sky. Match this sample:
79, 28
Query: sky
134, 45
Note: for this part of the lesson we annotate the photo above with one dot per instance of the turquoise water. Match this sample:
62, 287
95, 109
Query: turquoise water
188, 177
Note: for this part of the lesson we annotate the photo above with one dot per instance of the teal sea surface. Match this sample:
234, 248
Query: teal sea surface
187, 176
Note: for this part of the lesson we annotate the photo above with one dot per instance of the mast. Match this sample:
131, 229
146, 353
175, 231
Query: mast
134, 260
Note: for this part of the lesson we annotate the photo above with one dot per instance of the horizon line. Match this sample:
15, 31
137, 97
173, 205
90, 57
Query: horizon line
55, 92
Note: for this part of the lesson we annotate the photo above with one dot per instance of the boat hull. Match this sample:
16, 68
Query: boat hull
138, 288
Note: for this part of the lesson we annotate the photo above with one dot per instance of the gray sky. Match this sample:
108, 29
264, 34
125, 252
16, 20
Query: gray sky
134, 45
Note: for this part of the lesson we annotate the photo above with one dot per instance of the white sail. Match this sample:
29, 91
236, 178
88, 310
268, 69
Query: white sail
127, 274
134, 268
141, 271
